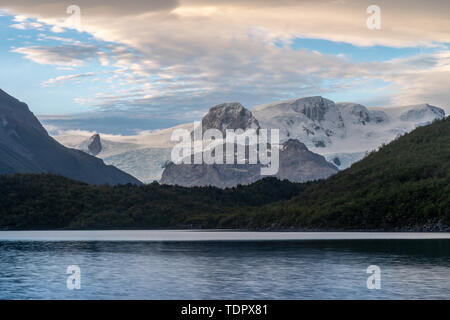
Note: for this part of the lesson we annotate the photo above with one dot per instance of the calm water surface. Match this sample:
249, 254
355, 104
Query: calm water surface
213, 265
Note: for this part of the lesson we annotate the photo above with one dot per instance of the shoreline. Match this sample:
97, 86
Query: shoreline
212, 235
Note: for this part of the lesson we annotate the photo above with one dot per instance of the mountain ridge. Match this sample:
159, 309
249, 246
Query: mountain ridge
361, 130
26, 147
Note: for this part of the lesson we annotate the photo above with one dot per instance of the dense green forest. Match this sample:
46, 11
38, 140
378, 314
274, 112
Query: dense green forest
42, 201
405, 184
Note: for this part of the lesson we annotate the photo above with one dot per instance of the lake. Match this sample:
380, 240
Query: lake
223, 265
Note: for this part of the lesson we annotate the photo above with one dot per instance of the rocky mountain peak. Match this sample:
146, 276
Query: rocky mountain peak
95, 145
312, 120
293, 144
229, 116
314, 108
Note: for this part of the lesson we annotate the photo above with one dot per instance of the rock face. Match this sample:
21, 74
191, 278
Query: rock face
314, 108
297, 164
357, 114
229, 116
145, 164
26, 147
92, 146
95, 145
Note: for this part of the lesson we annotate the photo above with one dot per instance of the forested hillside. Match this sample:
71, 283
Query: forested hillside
44, 201
405, 184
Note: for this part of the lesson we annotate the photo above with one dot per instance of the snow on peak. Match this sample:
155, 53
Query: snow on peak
229, 116
342, 132
330, 128
311, 120
359, 114
422, 112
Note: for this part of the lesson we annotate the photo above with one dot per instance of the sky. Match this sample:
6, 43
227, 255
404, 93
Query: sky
126, 66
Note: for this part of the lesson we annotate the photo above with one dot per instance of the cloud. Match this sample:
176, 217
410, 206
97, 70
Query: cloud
404, 22
183, 56
62, 79
103, 58
24, 24
64, 55
43, 36
419, 79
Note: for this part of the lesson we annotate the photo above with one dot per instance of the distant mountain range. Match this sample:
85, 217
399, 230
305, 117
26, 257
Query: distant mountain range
404, 186
26, 147
341, 132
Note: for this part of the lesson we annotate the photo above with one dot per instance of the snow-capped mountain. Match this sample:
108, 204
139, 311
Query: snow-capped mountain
313, 121
342, 132
229, 116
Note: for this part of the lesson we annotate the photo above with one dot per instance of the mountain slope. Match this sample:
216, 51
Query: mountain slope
25, 147
405, 184
146, 164
312, 120
296, 164
345, 131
